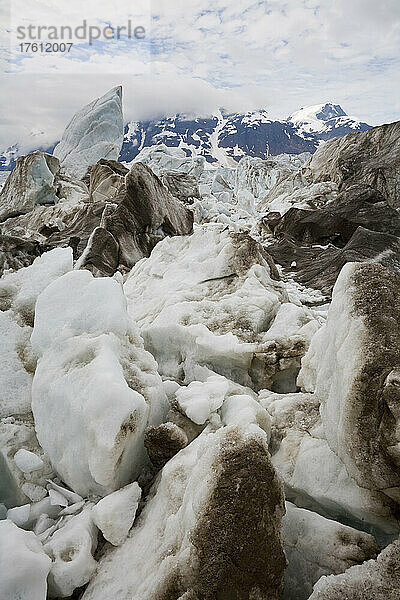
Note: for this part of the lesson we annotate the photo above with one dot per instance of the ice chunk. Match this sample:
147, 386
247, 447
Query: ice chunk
353, 365
71, 551
71, 496
29, 184
114, 514
15, 381
208, 300
19, 515
19, 290
57, 499
314, 476
28, 461
15, 434
35, 493
95, 388
199, 400
162, 159
373, 580
78, 293
23, 564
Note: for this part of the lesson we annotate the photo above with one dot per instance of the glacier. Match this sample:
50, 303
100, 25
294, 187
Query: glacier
200, 363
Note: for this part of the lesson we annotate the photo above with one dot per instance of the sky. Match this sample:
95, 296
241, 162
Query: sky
198, 56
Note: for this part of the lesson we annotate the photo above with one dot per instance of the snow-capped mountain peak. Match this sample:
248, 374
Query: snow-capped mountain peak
317, 112
327, 120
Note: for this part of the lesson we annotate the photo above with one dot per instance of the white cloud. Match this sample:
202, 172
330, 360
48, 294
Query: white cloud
276, 54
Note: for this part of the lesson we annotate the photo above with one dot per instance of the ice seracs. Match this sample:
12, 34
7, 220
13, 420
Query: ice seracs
145, 479
95, 132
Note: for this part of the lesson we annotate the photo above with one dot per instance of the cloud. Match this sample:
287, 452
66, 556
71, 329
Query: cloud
274, 54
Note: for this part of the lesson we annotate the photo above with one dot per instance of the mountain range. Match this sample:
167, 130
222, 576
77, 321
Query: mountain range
227, 137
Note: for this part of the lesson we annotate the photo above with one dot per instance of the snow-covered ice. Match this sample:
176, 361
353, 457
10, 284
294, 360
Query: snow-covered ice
24, 566
114, 514
71, 551
95, 388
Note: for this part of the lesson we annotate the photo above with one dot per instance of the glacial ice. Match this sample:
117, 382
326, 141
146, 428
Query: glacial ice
31, 183
28, 461
20, 289
16, 487
209, 300
190, 540
352, 365
71, 551
24, 566
94, 132
373, 580
114, 514
315, 546
167, 479
94, 373
313, 475
161, 159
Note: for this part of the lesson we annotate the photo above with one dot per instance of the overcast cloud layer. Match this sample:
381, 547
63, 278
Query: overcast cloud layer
199, 55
